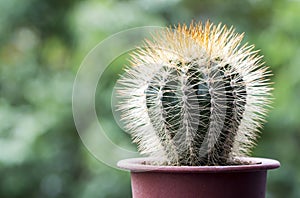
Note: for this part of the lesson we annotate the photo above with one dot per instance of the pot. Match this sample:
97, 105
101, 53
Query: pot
150, 181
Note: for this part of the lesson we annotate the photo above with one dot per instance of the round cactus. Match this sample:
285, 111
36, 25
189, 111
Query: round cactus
195, 96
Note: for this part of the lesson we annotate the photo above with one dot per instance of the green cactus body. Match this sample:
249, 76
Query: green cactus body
195, 101
198, 93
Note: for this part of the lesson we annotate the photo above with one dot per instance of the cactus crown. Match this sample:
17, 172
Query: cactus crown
195, 96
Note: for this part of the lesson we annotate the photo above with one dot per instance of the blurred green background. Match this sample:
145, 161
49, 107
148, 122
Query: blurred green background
43, 42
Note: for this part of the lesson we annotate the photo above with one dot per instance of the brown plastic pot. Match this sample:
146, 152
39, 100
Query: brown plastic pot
247, 181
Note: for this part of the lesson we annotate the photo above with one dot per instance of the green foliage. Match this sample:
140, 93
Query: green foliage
42, 45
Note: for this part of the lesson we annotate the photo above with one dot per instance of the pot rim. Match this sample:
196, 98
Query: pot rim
257, 164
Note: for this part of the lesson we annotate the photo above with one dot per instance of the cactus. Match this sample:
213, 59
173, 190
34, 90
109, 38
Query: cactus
195, 96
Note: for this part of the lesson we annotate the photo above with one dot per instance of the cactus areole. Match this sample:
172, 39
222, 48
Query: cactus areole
195, 96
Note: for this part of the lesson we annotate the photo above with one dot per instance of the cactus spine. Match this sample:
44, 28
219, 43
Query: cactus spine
195, 96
